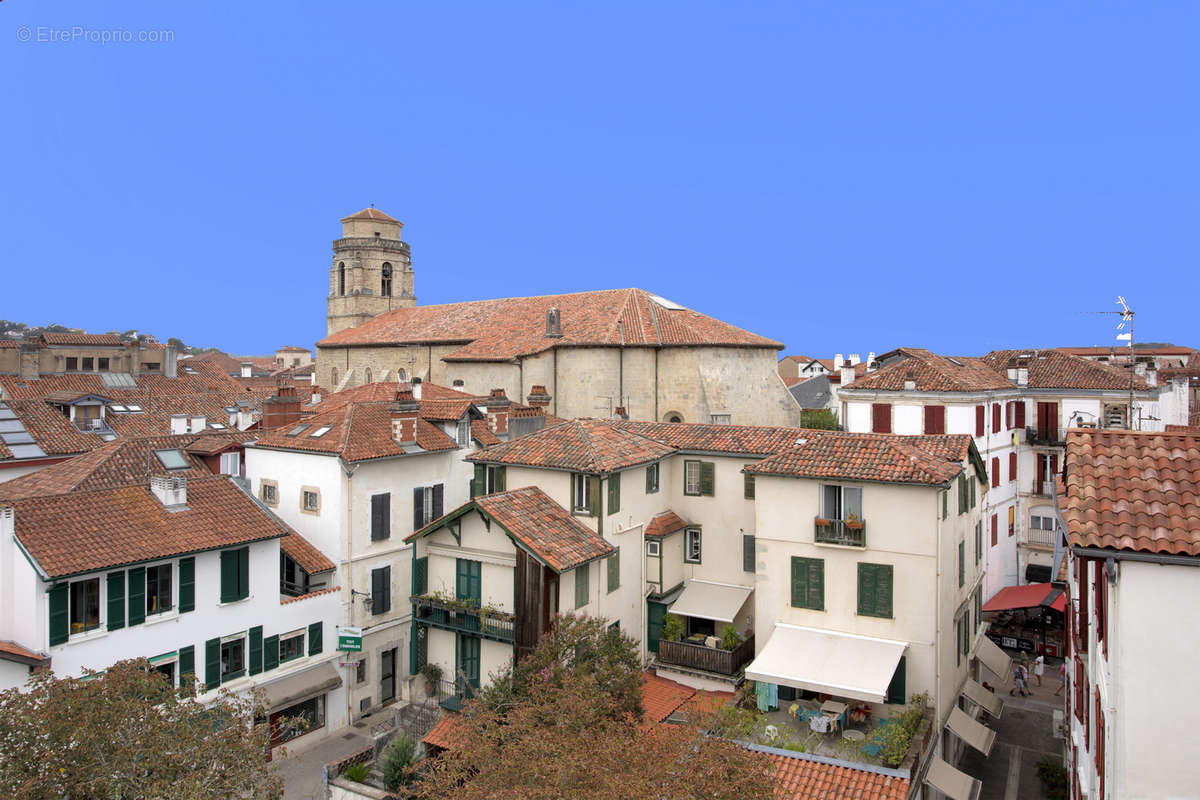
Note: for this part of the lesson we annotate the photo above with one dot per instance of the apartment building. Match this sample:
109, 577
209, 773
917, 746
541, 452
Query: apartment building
85, 353
1132, 520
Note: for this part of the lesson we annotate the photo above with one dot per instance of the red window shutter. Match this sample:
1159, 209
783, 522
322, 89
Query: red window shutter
980, 420
1101, 598
1053, 466
995, 528
1020, 413
995, 417
1008, 415
881, 417
1081, 576
1100, 744
1078, 689
995, 471
1012, 466
935, 419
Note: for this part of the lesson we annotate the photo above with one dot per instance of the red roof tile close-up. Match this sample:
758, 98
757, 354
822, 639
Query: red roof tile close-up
924, 460
1133, 491
1055, 369
581, 445
356, 432
929, 372
797, 778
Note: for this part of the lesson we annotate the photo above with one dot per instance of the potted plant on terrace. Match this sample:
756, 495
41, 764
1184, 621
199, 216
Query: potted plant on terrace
432, 673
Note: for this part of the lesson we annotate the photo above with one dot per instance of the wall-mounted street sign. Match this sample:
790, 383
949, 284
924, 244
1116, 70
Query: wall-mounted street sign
349, 639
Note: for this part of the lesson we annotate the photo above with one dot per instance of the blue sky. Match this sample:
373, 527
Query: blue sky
841, 176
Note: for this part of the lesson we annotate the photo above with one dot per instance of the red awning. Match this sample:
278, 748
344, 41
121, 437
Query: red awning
1060, 603
1030, 595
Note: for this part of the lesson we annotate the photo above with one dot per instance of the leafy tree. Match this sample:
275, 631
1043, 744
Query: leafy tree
398, 761
569, 737
127, 733
819, 418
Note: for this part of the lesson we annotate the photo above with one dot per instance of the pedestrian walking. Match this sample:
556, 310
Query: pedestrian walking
1039, 667
1062, 678
1020, 675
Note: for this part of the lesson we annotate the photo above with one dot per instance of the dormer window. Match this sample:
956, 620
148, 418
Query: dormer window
172, 459
464, 432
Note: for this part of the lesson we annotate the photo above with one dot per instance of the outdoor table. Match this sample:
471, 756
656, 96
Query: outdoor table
853, 736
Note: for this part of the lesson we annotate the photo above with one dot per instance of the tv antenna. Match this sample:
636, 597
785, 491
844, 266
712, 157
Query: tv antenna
1126, 314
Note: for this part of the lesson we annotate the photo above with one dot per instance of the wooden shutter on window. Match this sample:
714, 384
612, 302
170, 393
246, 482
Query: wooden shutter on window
256, 650
1081, 572
1020, 413
708, 479
748, 485
581, 584
499, 473
439, 495
808, 583
381, 516
229, 575
479, 482
212, 663
187, 662
614, 493
651, 483
60, 613
1041, 470
116, 600
995, 528
935, 419
881, 418
314, 638
137, 596
866, 588
270, 653
1012, 466
381, 590
995, 471
187, 584
418, 508
962, 563
614, 570
593, 495
980, 420
995, 417
748, 552
420, 576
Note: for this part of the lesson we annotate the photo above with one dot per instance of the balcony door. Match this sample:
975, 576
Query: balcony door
387, 675
467, 661
1047, 421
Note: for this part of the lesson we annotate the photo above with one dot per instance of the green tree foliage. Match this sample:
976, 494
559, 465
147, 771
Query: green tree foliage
126, 734
398, 761
819, 418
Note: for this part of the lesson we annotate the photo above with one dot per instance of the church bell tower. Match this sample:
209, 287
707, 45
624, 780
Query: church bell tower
371, 271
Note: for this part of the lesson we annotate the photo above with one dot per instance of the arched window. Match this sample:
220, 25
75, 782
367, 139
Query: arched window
368, 374
401, 375
333, 380
674, 416
386, 288
458, 383
341, 283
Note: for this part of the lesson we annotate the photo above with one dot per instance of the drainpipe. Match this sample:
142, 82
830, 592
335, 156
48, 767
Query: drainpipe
937, 649
347, 579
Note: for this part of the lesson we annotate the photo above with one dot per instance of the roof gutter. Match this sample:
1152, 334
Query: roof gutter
1135, 555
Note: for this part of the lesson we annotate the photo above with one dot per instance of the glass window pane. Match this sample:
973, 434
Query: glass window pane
851, 503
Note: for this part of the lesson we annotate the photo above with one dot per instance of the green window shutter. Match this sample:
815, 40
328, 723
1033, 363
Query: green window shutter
883, 590
875, 590
582, 573
187, 584
614, 570
187, 662
895, 690
972, 482
60, 612
500, 476
212, 663
256, 650
816, 583
314, 639
866, 589
978, 541
479, 482
243, 572
945, 504
799, 582
116, 600
229, 576
137, 596
270, 653
593, 496
748, 552
708, 479
650, 482
748, 485
962, 563
420, 577
574, 499
614, 493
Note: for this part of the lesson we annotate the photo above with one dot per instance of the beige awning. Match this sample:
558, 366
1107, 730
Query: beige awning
716, 601
982, 697
993, 658
840, 664
950, 782
971, 731
301, 686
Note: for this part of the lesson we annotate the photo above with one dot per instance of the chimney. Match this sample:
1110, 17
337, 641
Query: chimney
910, 381
854, 359
497, 412
179, 424
871, 365
416, 388
245, 418
553, 323
538, 397
1152, 377
281, 408
170, 362
247, 369
404, 410
620, 413
847, 374
198, 424
171, 492
316, 398
837, 361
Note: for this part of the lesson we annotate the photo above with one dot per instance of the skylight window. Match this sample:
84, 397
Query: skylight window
216, 426
120, 409
133, 409
321, 431
670, 305
172, 459
954, 361
299, 429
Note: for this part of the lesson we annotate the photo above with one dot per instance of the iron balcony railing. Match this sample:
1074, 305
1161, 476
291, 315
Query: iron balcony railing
1042, 435
840, 531
487, 623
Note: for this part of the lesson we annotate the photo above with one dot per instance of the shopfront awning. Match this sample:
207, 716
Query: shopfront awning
1060, 603
1010, 598
982, 697
716, 601
993, 658
950, 782
301, 686
840, 664
971, 731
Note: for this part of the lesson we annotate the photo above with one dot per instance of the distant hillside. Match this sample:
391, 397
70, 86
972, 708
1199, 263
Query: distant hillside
19, 330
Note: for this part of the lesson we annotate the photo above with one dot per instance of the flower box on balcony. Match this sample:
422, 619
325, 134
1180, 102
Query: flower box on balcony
854, 525
823, 523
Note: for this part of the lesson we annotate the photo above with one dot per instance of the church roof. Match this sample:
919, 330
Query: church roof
371, 213
507, 328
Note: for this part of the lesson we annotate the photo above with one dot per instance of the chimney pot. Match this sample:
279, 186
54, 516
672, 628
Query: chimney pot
846, 374
247, 369
538, 397
179, 424
837, 360
171, 492
854, 359
497, 411
910, 381
404, 411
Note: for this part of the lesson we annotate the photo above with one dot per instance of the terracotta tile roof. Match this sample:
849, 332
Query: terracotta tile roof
379, 391
502, 329
930, 373
371, 213
86, 531
665, 523
1055, 369
662, 697
1133, 491
449, 733
481, 433
304, 553
537, 522
797, 778
743, 440
318, 593
11, 651
790, 382
835, 375
84, 339
357, 432
445, 410
581, 445
291, 348
924, 460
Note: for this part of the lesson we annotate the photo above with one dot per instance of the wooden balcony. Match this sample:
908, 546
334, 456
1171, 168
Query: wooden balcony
709, 659
839, 531
494, 625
